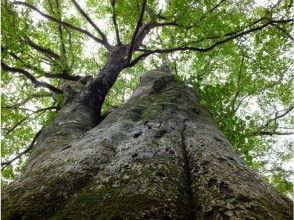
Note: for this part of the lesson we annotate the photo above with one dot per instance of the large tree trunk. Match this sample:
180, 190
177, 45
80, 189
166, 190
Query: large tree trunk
159, 156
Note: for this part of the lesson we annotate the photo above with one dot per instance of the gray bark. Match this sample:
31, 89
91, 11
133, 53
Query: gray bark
159, 156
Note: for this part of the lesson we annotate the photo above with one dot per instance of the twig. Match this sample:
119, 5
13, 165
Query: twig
283, 30
190, 48
32, 144
25, 118
35, 82
62, 22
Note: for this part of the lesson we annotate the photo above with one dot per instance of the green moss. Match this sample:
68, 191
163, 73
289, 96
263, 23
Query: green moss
123, 201
136, 113
148, 108
30, 201
177, 79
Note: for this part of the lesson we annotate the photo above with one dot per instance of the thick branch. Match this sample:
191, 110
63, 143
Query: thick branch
35, 82
138, 25
84, 14
146, 28
115, 22
62, 22
41, 49
60, 31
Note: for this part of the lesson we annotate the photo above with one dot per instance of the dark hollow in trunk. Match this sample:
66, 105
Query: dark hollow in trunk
159, 156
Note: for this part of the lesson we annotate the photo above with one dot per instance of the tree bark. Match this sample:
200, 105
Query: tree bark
159, 156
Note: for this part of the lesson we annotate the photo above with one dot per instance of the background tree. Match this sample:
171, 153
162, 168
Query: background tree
232, 58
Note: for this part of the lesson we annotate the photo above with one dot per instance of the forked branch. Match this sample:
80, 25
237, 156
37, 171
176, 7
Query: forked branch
34, 81
49, 17
270, 127
91, 22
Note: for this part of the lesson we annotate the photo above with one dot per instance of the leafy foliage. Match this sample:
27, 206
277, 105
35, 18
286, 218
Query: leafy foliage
235, 54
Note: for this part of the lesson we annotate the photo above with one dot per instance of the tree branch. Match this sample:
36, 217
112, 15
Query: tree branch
270, 133
27, 117
266, 130
46, 51
146, 28
283, 30
233, 103
63, 75
61, 37
32, 144
62, 23
84, 14
191, 48
27, 99
216, 6
277, 116
35, 82
115, 22
138, 25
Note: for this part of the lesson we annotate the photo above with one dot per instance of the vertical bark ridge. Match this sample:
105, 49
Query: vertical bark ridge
186, 164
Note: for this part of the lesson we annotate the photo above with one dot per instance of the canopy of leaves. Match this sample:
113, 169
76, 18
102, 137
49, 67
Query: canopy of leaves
236, 54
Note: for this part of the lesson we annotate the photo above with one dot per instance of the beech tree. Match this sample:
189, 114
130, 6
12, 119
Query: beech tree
146, 109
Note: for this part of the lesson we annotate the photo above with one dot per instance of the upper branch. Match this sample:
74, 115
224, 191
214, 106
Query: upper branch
138, 25
27, 99
230, 36
35, 82
63, 75
104, 39
39, 111
283, 30
271, 133
41, 49
270, 127
115, 22
62, 22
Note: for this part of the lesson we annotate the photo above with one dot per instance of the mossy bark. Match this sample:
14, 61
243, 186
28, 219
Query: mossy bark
159, 156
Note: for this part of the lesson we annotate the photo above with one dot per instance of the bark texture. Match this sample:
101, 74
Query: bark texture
159, 156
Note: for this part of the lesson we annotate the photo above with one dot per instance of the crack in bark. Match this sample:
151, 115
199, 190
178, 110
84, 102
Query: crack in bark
187, 177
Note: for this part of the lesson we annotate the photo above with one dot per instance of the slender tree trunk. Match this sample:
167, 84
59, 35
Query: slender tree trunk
159, 156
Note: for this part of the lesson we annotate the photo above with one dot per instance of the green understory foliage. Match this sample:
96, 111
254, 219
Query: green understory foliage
246, 82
